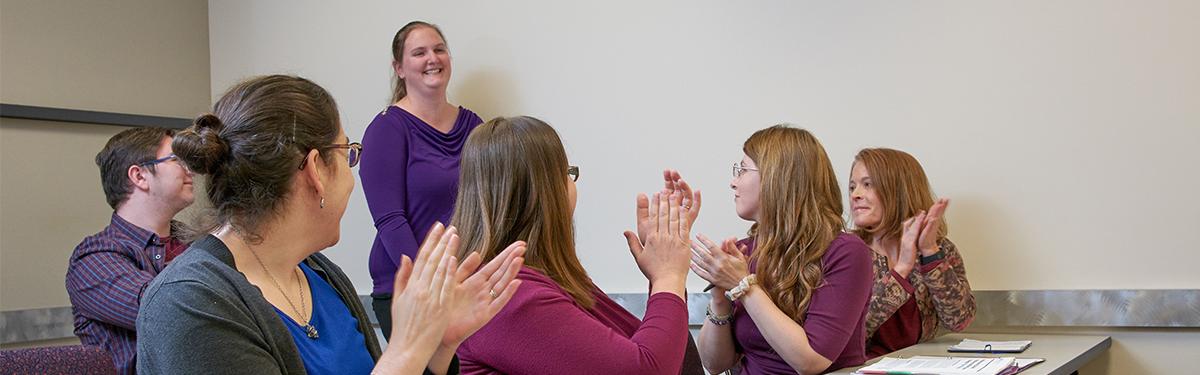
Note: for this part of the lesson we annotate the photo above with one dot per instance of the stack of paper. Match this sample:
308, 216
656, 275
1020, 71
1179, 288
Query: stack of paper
976, 346
942, 366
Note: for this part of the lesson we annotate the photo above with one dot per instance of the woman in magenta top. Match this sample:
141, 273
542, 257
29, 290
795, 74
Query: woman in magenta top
410, 156
920, 280
516, 184
792, 297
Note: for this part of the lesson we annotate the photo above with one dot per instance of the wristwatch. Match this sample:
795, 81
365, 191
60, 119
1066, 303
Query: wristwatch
939, 255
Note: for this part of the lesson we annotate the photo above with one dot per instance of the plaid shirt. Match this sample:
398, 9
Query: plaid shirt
105, 279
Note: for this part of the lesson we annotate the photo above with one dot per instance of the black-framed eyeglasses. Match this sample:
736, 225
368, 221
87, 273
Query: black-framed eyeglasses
354, 155
573, 172
738, 169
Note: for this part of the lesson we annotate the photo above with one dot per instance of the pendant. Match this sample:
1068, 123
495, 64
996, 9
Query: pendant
311, 331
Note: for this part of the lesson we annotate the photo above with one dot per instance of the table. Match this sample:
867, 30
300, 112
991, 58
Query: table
1063, 353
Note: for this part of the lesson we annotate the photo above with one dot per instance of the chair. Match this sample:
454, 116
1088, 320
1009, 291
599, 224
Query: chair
71, 359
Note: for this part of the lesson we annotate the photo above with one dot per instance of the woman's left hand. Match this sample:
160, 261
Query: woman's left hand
481, 295
672, 183
724, 266
927, 242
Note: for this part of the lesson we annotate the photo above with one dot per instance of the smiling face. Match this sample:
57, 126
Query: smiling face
865, 208
746, 188
425, 61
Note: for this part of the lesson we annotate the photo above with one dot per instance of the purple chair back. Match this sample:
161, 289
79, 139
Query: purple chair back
71, 359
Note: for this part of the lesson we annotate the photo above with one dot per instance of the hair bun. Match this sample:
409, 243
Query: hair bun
201, 146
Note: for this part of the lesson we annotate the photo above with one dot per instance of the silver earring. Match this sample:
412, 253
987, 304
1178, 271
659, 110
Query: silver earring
322, 202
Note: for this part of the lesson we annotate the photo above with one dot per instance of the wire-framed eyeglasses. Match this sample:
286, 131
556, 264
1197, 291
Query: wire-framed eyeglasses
739, 169
353, 156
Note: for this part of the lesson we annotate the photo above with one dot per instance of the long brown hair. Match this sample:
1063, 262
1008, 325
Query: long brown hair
901, 187
398, 89
513, 186
800, 214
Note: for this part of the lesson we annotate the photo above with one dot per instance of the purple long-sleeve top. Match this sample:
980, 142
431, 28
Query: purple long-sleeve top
835, 318
409, 174
542, 331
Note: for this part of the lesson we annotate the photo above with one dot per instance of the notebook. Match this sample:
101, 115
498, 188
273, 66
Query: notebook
1021, 364
976, 346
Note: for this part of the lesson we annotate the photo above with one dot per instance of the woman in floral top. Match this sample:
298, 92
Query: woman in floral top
920, 280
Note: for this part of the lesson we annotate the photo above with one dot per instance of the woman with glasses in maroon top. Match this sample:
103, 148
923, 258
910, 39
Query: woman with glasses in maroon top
790, 298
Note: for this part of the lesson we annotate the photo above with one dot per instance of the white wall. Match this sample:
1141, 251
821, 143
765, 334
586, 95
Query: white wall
1064, 131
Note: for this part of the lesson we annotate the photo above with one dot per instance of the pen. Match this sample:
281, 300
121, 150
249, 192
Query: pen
709, 287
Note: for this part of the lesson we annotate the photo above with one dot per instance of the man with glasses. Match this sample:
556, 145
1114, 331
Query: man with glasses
146, 185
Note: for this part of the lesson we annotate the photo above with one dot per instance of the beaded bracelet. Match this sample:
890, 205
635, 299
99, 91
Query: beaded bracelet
718, 319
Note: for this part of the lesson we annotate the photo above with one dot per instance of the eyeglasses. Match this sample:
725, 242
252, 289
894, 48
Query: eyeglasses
353, 155
573, 172
164, 159
159, 160
738, 169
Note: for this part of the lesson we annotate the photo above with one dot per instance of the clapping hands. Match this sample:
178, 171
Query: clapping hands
664, 223
919, 235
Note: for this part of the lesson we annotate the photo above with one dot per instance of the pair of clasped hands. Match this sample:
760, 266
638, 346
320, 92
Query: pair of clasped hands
918, 235
438, 302
664, 250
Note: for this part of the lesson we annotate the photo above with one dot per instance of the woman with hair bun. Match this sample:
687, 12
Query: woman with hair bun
920, 281
410, 164
254, 295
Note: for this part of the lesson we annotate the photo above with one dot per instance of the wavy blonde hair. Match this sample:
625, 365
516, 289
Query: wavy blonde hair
513, 186
800, 214
902, 189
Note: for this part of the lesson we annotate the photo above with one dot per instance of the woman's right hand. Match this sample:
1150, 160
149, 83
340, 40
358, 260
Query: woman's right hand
663, 255
423, 291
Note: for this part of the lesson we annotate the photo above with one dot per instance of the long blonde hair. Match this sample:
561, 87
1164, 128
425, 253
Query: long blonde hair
800, 214
513, 186
902, 189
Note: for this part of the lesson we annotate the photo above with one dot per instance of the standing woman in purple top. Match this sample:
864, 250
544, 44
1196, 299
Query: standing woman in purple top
410, 156
792, 297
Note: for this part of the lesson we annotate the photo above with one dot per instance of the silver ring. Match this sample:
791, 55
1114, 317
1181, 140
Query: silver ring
492, 292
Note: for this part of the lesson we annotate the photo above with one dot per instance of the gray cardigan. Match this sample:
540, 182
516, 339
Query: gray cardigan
201, 316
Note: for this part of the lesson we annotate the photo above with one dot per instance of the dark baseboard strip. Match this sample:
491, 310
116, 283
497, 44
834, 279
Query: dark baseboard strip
1170, 308
90, 117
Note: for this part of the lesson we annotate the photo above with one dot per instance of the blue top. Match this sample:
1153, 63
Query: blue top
339, 348
409, 176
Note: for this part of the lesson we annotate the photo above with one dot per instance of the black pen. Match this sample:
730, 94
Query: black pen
709, 287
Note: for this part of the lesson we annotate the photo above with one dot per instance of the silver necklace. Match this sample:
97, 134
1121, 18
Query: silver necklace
308, 327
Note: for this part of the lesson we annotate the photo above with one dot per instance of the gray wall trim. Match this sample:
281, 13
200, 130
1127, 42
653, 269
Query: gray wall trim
36, 324
1013, 308
1089, 308
90, 117
1046, 308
